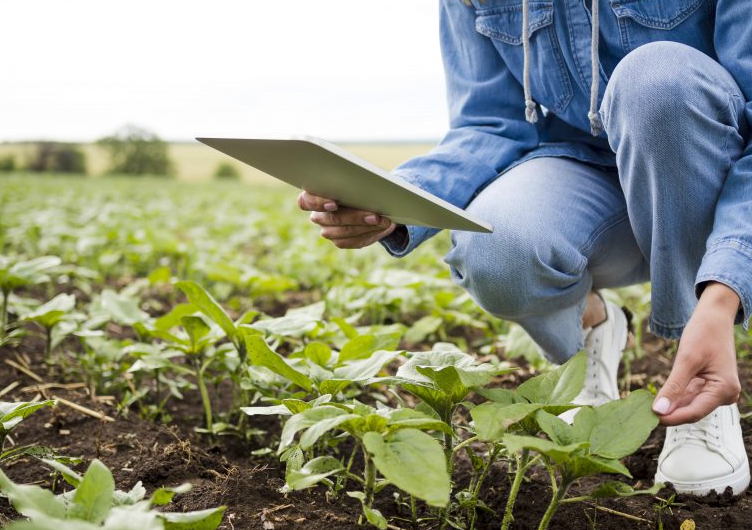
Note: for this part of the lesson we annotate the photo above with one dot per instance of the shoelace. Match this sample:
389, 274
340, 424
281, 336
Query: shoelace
706, 430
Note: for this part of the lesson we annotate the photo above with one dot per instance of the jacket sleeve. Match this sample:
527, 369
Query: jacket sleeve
487, 132
728, 256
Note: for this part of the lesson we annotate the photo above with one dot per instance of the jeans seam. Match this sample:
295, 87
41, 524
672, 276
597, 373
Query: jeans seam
598, 232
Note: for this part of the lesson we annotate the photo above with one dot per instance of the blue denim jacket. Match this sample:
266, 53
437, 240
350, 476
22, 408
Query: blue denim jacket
483, 61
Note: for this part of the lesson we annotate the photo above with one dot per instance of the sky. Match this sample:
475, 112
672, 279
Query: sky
344, 70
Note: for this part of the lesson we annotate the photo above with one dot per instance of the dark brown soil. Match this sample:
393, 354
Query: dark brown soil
224, 472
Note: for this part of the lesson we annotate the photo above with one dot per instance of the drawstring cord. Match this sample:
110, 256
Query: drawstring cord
531, 114
596, 126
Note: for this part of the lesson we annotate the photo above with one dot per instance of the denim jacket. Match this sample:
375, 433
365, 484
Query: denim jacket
482, 50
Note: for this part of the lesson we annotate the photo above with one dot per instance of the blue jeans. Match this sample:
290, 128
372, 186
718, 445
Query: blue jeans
674, 117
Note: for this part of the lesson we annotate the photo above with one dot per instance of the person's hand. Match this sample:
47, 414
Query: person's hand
345, 227
704, 375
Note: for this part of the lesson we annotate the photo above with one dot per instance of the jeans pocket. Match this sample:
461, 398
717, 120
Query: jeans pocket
686, 21
549, 78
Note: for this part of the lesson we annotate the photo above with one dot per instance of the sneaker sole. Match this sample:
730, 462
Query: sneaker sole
738, 481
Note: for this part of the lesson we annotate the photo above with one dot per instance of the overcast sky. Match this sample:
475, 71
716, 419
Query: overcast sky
339, 69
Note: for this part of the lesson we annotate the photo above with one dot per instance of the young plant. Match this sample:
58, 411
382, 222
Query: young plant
95, 504
11, 414
593, 444
443, 378
514, 411
49, 315
392, 441
14, 275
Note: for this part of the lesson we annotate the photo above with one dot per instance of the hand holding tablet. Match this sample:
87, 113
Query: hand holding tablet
324, 170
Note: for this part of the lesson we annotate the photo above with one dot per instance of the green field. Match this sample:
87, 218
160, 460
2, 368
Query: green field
197, 162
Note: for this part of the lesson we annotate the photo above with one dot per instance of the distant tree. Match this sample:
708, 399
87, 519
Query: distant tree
226, 170
58, 157
7, 163
136, 151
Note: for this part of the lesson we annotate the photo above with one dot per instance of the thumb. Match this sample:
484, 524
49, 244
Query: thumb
674, 387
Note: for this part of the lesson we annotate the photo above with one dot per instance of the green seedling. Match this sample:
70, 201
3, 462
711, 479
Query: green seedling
14, 275
11, 414
594, 444
49, 315
513, 411
443, 378
392, 441
95, 504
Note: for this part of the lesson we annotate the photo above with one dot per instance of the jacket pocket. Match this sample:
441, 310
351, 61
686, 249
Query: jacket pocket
644, 21
549, 77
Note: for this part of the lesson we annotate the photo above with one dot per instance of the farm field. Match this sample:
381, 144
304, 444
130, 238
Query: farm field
195, 162
202, 333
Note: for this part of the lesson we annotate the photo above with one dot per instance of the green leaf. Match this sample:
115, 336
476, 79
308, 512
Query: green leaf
583, 466
200, 520
374, 517
93, 498
614, 488
364, 346
557, 429
365, 368
70, 476
621, 427
501, 395
32, 500
313, 472
558, 453
132, 518
261, 355
11, 414
414, 462
50, 313
196, 329
493, 419
317, 352
162, 496
557, 386
172, 319
423, 328
121, 309
308, 418
209, 306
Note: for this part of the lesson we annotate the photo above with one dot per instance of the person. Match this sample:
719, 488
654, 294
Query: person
608, 143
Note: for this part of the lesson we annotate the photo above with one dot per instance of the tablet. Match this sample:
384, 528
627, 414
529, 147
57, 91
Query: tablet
326, 170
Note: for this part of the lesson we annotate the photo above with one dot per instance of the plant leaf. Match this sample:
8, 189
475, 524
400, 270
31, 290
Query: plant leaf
209, 306
493, 419
621, 427
557, 386
313, 472
93, 498
200, 520
261, 355
558, 453
414, 462
614, 488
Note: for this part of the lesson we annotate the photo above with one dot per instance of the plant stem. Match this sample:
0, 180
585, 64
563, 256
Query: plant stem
554, 505
413, 512
4, 314
370, 474
48, 345
521, 461
204, 395
479, 484
464, 443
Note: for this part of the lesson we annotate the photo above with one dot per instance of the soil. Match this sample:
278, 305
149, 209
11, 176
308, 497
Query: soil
223, 472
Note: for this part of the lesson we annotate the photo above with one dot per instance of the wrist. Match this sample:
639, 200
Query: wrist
721, 298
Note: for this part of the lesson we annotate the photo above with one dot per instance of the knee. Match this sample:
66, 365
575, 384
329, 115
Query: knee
656, 84
512, 274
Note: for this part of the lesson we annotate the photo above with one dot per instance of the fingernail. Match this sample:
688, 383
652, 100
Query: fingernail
330, 206
371, 219
661, 405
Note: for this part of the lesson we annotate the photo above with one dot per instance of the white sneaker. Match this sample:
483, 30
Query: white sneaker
604, 345
707, 455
